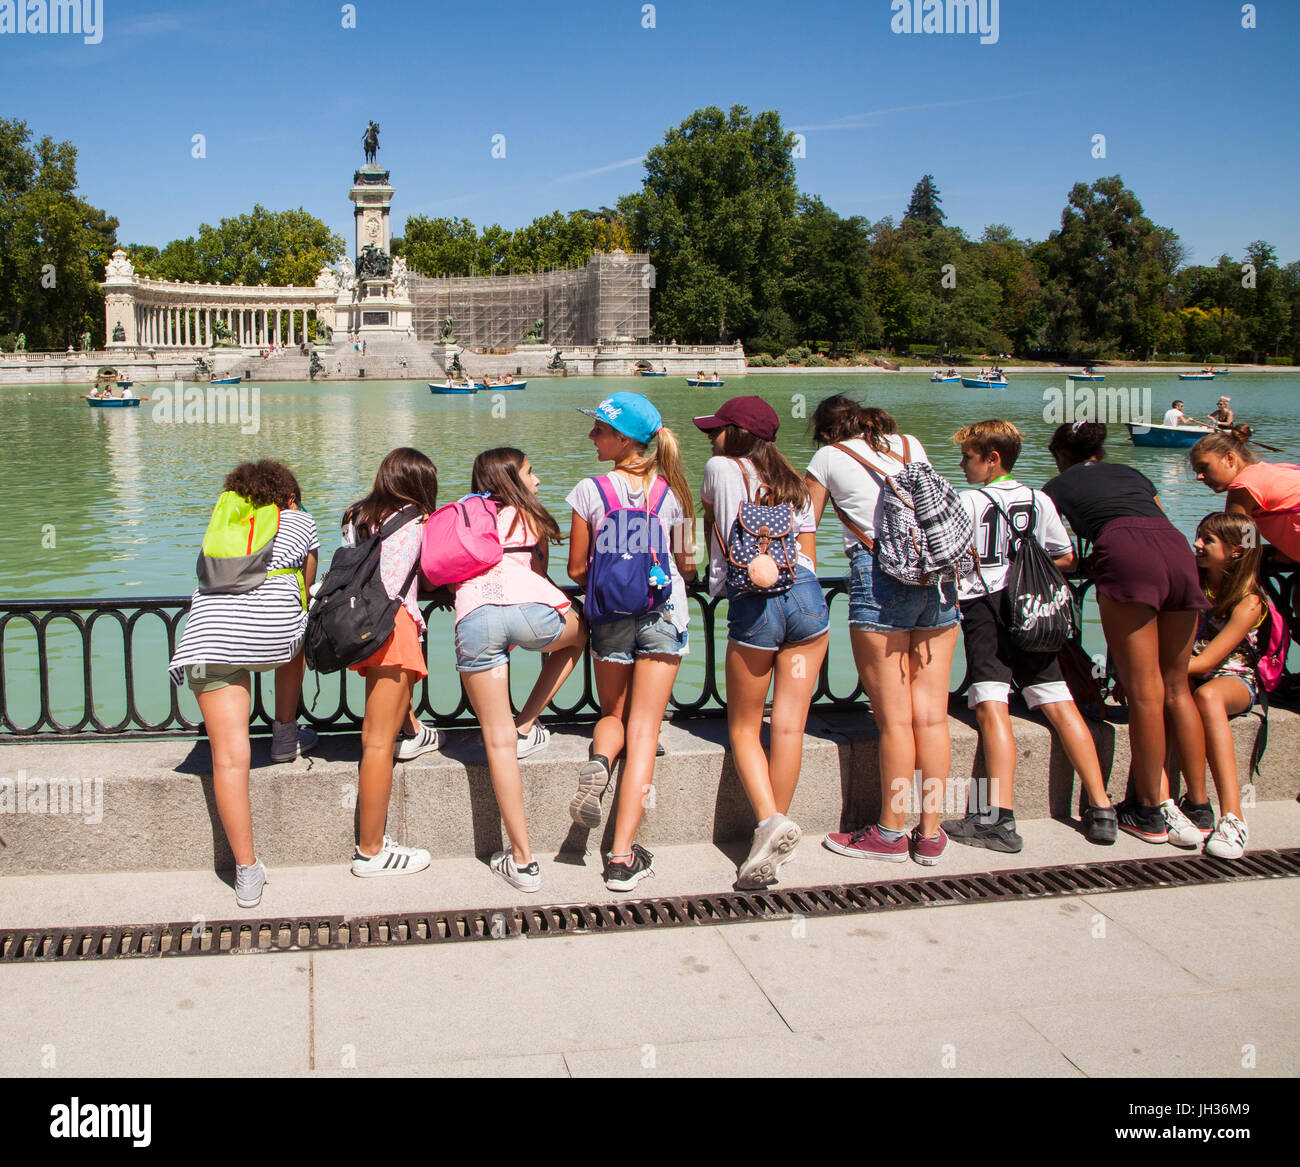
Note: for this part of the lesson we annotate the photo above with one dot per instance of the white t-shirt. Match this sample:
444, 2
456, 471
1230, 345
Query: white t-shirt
992, 539
587, 504
1175, 417
728, 482
854, 488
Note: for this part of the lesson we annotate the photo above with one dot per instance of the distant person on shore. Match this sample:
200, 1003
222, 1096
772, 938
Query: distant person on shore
775, 625
1267, 492
635, 658
989, 450
903, 636
1150, 601
404, 494
1221, 417
228, 636
1175, 416
514, 605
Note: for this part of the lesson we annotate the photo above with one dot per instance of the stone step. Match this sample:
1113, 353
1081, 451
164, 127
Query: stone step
148, 805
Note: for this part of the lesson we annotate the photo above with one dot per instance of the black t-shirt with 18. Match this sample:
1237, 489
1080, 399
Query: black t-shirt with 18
1090, 494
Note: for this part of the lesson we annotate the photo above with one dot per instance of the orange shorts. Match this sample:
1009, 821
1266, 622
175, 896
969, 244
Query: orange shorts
402, 650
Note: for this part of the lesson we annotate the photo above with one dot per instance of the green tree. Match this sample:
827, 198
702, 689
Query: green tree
924, 207
1266, 311
279, 248
826, 293
715, 211
54, 245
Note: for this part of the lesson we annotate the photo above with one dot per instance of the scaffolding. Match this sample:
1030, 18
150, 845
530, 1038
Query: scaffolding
606, 298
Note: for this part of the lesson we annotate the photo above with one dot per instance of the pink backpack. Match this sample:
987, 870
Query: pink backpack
460, 541
1272, 658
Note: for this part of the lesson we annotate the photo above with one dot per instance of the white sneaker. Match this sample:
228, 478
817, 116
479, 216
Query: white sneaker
289, 740
1229, 838
393, 859
408, 747
537, 739
527, 878
1182, 831
248, 884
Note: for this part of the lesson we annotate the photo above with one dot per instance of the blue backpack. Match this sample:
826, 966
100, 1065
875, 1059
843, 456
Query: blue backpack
627, 573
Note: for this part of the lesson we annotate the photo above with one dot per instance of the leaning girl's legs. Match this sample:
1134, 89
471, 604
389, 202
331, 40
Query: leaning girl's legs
388, 700
749, 675
797, 669
288, 688
1132, 635
1217, 701
1177, 632
930, 662
489, 694
225, 716
652, 685
882, 663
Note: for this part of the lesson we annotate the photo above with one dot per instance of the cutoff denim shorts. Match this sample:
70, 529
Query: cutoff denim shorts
485, 637
770, 622
880, 603
622, 641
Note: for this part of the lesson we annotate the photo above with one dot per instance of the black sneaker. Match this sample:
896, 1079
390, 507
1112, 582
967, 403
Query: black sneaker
1099, 824
625, 876
975, 831
1201, 815
1146, 822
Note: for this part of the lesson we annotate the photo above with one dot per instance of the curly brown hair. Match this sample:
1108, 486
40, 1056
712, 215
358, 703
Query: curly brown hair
265, 483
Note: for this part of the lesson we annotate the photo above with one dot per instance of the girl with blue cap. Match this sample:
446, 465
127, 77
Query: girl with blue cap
632, 548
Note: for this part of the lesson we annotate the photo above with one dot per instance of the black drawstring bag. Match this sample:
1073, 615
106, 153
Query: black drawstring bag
1039, 603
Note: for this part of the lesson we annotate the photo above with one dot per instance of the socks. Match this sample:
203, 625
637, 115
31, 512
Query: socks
1005, 815
888, 835
767, 820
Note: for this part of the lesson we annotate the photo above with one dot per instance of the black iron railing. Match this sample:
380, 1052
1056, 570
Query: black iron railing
151, 628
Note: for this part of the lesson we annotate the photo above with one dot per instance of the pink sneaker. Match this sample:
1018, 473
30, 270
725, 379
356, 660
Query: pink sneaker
867, 843
928, 852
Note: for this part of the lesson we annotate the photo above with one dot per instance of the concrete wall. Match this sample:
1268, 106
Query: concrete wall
149, 805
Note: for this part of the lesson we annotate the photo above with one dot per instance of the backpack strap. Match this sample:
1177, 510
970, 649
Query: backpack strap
658, 492
396, 522
608, 495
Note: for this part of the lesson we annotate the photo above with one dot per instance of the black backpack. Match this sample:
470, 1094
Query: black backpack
1039, 604
351, 615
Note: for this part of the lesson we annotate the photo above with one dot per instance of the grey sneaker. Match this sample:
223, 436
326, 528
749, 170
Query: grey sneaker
289, 740
593, 781
773, 846
248, 884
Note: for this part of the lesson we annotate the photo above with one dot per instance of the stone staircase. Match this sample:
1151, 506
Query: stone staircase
382, 360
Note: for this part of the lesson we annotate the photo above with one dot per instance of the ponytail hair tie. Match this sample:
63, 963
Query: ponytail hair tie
1078, 425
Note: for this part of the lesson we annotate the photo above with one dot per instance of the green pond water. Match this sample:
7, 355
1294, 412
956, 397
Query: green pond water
113, 503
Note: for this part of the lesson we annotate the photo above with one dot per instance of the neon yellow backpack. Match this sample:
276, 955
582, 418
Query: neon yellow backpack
237, 546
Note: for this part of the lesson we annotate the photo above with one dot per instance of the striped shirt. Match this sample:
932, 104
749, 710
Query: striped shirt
258, 628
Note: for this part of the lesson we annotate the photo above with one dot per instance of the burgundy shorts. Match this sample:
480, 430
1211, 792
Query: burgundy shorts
1146, 561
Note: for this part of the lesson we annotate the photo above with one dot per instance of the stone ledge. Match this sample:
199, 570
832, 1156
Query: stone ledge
158, 811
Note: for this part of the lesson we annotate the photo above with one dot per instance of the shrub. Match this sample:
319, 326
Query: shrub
762, 361
797, 354
816, 361
765, 346
780, 362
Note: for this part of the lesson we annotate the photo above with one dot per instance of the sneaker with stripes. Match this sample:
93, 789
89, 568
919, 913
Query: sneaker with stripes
527, 877
393, 859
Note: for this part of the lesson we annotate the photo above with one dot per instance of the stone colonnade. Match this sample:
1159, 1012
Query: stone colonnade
192, 325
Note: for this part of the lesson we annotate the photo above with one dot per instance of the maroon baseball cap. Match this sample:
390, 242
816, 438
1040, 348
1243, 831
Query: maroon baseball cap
750, 413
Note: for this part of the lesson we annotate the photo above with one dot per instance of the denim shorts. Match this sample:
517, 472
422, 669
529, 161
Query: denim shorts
485, 637
880, 603
622, 641
769, 622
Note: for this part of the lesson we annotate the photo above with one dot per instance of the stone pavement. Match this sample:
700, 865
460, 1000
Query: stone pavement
1185, 982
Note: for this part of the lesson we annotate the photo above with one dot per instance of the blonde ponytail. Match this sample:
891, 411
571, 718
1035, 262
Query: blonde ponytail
667, 461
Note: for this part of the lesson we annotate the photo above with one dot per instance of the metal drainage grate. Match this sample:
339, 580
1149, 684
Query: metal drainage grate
321, 933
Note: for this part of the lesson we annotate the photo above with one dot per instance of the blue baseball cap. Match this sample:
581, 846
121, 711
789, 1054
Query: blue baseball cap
629, 413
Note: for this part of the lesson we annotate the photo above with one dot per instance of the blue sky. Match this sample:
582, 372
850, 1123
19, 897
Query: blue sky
1198, 113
